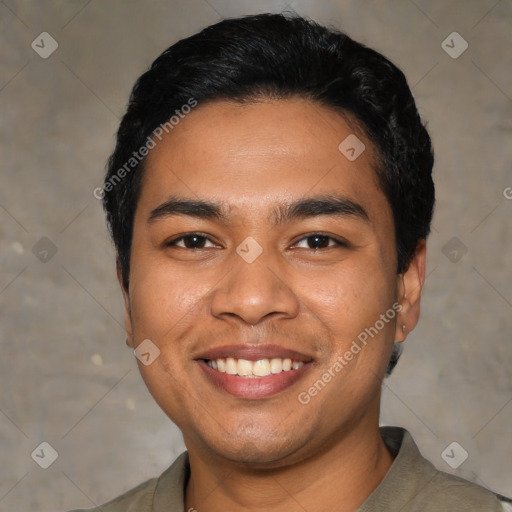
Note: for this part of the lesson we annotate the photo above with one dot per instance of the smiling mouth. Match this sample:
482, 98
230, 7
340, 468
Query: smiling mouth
253, 369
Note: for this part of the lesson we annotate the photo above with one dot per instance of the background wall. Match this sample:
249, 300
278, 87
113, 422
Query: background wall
67, 377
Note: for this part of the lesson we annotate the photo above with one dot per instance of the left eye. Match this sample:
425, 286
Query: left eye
319, 241
190, 241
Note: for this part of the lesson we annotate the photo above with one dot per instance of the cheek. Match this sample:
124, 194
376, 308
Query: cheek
349, 303
162, 293
165, 304
350, 298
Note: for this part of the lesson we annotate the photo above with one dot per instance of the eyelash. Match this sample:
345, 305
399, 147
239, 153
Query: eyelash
338, 243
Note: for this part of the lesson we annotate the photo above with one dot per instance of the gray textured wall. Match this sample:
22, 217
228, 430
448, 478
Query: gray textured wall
67, 377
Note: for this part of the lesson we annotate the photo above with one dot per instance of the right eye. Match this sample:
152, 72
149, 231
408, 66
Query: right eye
190, 241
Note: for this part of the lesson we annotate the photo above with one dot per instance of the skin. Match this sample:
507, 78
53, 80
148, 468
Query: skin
274, 453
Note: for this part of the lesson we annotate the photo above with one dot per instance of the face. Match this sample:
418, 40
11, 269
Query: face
258, 245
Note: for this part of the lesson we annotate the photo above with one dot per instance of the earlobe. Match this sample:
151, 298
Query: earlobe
410, 286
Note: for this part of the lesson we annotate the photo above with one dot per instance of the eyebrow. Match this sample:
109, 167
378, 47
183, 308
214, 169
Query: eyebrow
314, 206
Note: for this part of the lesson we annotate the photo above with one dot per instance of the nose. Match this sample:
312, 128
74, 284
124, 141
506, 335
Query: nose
255, 291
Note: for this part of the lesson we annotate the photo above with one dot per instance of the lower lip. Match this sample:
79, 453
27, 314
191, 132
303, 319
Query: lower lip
253, 388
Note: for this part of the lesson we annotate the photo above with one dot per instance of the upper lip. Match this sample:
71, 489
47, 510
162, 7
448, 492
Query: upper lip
253, 353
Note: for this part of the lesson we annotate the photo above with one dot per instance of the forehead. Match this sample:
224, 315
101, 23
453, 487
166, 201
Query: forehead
254, 155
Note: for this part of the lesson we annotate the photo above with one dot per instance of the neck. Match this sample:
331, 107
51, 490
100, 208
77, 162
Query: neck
339, 478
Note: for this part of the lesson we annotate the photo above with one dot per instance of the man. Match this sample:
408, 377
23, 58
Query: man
269, 198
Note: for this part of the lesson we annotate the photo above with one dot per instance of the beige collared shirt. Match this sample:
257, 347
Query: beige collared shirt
412, 484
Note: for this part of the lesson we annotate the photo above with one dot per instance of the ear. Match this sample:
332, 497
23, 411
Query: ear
127, 309
410, 285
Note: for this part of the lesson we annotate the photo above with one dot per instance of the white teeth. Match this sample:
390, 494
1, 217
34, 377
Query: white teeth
259, 368
276, 365
231, 366
244, 367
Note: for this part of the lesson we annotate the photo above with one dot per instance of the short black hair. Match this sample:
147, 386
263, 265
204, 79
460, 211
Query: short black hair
276, 56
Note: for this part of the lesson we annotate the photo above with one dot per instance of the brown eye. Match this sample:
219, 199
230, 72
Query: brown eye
320, 241
191, 241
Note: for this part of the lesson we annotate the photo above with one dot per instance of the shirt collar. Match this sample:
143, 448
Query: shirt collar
409, 469
409, 472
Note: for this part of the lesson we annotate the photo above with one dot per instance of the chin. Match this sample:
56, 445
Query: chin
258, 450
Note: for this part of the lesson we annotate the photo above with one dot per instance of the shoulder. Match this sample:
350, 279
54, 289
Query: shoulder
155, 495
415, 484
457, 494
138, 499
